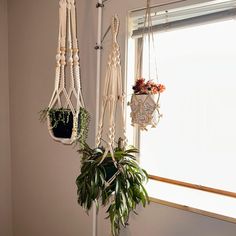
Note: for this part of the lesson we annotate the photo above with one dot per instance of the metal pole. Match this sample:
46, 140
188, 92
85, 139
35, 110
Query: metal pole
98, 78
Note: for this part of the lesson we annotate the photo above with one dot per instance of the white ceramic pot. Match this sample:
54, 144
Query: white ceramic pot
143, 110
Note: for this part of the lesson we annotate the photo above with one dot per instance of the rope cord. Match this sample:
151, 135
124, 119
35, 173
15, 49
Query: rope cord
150, 37
112, 96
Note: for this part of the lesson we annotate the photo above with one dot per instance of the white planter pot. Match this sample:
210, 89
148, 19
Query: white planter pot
144, 110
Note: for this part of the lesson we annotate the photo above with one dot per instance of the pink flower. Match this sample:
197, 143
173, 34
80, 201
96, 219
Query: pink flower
161, 88
154, 90
149, 87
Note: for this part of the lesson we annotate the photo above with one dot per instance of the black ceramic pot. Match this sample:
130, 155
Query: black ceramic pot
62, 129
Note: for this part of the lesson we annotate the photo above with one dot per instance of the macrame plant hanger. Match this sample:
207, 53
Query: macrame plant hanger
112, 97
145, 107
67, 55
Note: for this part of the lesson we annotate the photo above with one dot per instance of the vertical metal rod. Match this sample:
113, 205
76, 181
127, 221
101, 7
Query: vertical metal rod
94, 220
98, 78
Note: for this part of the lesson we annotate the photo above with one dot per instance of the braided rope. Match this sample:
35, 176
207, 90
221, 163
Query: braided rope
112, 96
67, 45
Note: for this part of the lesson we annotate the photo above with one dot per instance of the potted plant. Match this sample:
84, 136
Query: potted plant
145, 103
62, 122
116, 185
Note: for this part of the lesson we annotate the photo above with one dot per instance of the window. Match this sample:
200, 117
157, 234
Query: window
191, 155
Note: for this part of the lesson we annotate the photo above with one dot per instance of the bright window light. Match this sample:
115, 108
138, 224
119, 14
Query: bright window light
196, 138
195, 141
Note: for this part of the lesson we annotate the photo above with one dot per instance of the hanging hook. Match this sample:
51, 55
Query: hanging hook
107, 31
101, 4
98, 47
104, 36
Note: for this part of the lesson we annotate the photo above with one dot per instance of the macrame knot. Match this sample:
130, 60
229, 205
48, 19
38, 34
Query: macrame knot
111, 95
62, 2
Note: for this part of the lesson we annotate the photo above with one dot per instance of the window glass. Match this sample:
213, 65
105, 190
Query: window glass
196, 138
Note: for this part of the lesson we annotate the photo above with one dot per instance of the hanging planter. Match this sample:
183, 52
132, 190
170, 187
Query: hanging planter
66, 115
145, 103
110, 174
145, 99
118, 187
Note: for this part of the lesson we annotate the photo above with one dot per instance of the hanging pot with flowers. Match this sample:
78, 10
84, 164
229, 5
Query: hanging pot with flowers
146, 94
145, 103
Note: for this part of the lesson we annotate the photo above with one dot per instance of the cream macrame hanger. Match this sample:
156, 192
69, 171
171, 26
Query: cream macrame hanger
67, 55
147, 27
145, 106
112, 96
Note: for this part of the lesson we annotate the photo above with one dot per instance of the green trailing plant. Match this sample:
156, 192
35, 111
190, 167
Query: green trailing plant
64, 116
120, 185
84, 119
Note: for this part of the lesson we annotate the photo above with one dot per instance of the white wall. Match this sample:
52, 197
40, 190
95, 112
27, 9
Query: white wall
5, 158
44, 172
